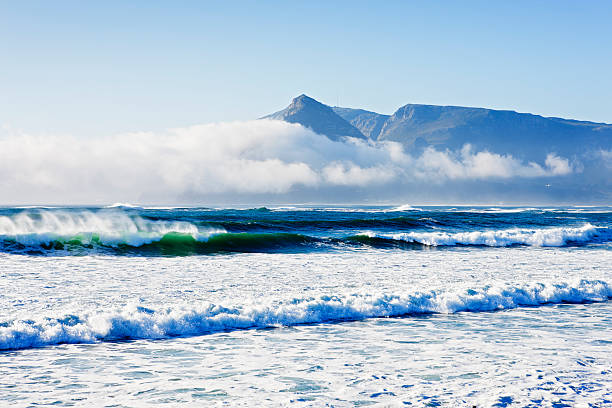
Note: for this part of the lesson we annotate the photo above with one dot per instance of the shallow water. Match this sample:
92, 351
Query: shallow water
329, 321
551, 356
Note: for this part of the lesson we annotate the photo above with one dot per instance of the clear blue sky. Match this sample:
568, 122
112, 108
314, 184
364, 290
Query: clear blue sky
92, 68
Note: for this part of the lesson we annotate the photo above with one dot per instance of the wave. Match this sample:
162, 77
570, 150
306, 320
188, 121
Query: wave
119, 233
499, 210
442, 209
325, 223
337, 209
168, 244
405, 207
544, 237
180, 245
138, 322
124, 205
112, 228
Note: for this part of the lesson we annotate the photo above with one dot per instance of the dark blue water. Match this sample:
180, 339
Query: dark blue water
193, 231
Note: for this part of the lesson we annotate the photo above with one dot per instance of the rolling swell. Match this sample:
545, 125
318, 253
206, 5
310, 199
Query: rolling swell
174, 243
322, 224
138, 322
169, 244
186, 232
177, 244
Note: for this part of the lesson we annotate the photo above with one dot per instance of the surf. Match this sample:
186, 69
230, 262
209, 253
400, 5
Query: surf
543, 237
141, 322
172, 232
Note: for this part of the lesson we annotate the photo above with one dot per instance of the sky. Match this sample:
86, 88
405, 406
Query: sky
90, 69
156, 102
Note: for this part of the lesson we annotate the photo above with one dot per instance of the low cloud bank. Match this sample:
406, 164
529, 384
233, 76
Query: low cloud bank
254, 157
467, 164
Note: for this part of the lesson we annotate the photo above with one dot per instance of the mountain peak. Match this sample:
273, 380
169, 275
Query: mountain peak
304, 100
304, 97
317, 116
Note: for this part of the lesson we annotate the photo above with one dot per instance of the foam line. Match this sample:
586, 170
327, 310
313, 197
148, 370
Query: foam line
543, 237
137, 322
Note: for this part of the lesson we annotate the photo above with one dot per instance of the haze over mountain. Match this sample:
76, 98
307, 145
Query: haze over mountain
524, 135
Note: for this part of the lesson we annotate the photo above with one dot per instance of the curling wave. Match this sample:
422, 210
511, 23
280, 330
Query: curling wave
109, 228
137, 322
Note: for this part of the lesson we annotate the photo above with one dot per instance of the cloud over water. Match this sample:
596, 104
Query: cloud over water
251, 157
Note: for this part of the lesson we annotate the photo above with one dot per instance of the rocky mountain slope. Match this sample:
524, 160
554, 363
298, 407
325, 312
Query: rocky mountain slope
317, 116
523, 135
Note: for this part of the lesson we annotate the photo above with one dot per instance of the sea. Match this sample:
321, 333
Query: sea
306, 306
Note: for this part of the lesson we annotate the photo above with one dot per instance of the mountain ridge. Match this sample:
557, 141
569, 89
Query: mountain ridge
417, 126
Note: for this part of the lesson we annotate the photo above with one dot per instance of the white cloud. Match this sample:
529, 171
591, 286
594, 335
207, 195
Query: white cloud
606, 157
466, 164
558, 166
262, 156
349, 174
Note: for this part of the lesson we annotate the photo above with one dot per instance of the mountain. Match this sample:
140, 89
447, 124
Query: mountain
524, 135
319, 117
369, 123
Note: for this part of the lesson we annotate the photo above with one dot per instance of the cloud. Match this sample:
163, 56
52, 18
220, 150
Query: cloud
606, 157
466, 165
261, 157
349, 174
557, 166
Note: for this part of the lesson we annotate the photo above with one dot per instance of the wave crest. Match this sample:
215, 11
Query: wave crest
106, 227
545, 237
137, 322
125, 233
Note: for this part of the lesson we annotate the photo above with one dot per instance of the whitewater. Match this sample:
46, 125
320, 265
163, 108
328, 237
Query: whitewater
307, 306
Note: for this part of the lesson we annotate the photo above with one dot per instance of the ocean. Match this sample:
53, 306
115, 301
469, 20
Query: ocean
128, 306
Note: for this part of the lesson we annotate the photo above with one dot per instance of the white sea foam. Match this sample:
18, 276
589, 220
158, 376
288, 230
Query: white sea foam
543, 237
109, 227
123, 205
136, 322
406, 207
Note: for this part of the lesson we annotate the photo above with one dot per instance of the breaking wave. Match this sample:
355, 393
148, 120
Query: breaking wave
137, 322
120, 232
112, 228
543, 237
